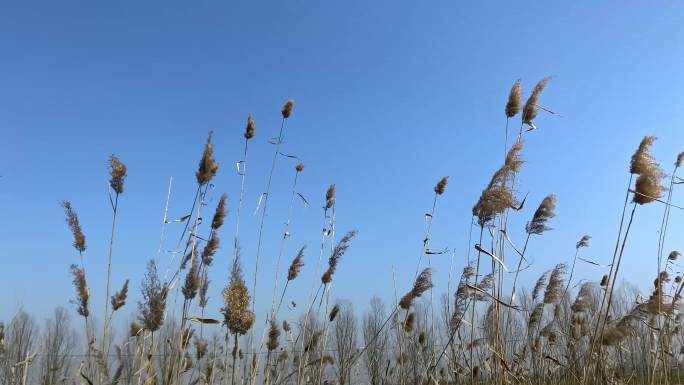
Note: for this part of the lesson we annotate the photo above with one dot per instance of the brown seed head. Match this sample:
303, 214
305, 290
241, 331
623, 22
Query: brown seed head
648, 186
75, 227
330, 196
286, 326
273, 335
210, 248
134, 329
421, 285
299, 167
514, 100
204, 289
117, 173
333, 313
531, 106
296, 265
409, 323
82, 292
680, 159
220, 213
583, 242
251, 126
287, 108
441, 185
207, 165
545, 211
335, 256
192, 282
604, 280
237, 316
673, 255
118, 300
554, 289
498, 196
642, 158
154, 295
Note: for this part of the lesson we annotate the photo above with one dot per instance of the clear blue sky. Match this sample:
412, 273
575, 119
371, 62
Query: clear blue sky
390, 97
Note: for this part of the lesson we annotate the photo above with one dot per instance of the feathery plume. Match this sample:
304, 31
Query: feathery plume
642, 158
154, 299
498, 196
409, 323
118, 300
237, 316
421, 285
207, 165
441, 185
117, 173
333, 313
673, 255
75, 226
583, 242
514, 100
335, 256
604, 280
192, 282
296, 265
220, 213
251, 126
648, 187
330, 196
273, 335
299, 167
286, 326
680, 159
531, 106
287, 108
540, 285
134, 329
210, 248
204, 290
554, 289
545, 211
82, 292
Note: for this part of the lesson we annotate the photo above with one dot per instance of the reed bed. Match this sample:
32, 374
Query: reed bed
490, 329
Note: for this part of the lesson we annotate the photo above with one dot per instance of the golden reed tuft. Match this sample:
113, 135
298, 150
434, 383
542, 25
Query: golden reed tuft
335, 256
287, 108
75, 227
514, 100
299, 167
251, 126
296, 265
441, 185
545, 211
220, 213
117, 173
273, 336
237, 316
118, 300
330, 196
642, 158
583, 242
422, 283
531, 108
207, 165
82, 293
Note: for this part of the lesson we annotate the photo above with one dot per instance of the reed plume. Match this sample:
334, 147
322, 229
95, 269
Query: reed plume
673, 255
545, 211
118, 300
531, 105
204, 289
207, 164
220, 213
296, 265
409, 323
192, 282
680, 159
642, 158
75, 227
648, 186
299, 167
422, 284
273, 336
117, 173
210, 249
287, 108
514, 100
498, 196
134, 329
333, 313
554, 289
540, 285
286, 326
330, 196
154, 294
251, 126
335, 256
583, 242
441, 185
237, 316
82, 293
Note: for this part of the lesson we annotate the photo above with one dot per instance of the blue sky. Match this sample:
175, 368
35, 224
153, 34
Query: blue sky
390, 96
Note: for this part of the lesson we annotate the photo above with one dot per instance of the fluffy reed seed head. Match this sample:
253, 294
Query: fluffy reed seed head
82, 293
251, 126
286, 326
273, 336
422, 338
604, 280
514, 100
207, 164
531, 108
154, 294
554, 289
220, 213
673, 255
583, 242
134, 329
204, 289
75, 227
192, 281
680, 159
117, 174
498, 196
422, 284
299, 167
337, 253
210, 248
287, 108
334, 312
296, 265
539, 285
642, 158
441, 185
330, 196
118, 300
545, 211
237, 316
648, 186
